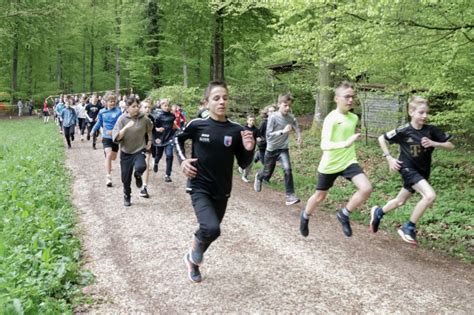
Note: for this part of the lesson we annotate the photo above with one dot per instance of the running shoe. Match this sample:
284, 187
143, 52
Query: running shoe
196, 252
109, 181
94, 147
240, 170
346, 224
155, 168
245, 178
193, 270
88, 136
408, 234
291, 199
167, 179
138, 180
144, 193
257, 184
304, 224
126, 201
376, 215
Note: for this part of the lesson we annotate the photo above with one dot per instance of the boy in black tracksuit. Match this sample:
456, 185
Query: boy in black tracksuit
215, 142
164, 130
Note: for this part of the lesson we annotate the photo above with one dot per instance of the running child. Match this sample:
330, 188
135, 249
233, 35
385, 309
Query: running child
92, 111
417, 141
145, 108
279, 127
164, 129
46, 110
130, 131
81, 115
338, 139
69, 120
250, 126
106, 119
215, 142
262, 131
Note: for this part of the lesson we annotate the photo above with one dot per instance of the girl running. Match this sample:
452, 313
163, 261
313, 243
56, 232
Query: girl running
216, 141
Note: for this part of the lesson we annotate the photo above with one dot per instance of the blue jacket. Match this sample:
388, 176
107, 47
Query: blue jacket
107, 119
68, 116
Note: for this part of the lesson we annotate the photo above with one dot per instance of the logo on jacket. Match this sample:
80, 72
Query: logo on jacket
227, 141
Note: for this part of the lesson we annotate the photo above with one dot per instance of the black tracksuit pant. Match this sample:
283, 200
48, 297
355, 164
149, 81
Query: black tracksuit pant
128, 162
209, 213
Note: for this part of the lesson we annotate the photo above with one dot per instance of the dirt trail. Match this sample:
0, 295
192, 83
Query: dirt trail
259, 264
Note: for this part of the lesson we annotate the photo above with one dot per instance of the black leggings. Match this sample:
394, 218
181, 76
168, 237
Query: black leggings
209, 213
128, 162
69, 134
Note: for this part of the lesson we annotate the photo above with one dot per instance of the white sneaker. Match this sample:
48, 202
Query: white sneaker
240, 170
109, 181
245, 179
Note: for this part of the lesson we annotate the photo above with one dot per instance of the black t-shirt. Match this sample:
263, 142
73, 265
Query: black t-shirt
254, 131
165, 120
412, 153
92, 110
263, 131
214, 144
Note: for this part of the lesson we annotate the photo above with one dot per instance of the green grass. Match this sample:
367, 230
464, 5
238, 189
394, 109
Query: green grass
448, 226
39, 253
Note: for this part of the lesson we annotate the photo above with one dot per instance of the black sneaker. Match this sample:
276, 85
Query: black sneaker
144, 193
88, 136
376, 215
94, 147
155, 168
346, 224
138, 180
126, 201
291, 200
257, 184
72, 137
193, 271
304, 225
408, 234
168, 179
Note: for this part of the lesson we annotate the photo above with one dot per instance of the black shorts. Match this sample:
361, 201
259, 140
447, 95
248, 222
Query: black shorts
412, 176
45, 113
326, 181
108, 143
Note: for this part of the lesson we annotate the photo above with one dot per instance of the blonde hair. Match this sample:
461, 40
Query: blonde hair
416, 101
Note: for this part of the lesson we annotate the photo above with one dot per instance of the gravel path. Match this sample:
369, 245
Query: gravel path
260, 264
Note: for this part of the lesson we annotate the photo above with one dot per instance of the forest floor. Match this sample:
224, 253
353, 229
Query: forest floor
260, 264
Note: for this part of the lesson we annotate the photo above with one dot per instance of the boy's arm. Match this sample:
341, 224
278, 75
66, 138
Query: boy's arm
296, 127
393, 164
244, 153
98, 124
119, 130
427, 143
187, 165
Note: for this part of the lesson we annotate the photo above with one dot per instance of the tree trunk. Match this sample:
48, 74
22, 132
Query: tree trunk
84, 65
14, 69
325, 95
218, 46
91, 68
153, 43
29, 72
59, 73
117, 47
185, 69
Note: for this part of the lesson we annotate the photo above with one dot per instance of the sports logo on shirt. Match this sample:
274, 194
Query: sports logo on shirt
227, 141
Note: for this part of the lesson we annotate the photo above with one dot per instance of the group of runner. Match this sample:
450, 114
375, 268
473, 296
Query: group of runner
142, 131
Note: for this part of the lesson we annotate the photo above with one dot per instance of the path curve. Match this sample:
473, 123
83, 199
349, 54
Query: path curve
260, 264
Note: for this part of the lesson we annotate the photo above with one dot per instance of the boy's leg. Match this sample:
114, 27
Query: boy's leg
158, 155
169, 159
428, 197
67, 136
140, 168
289, 185
377, 213
268, 167
364, 189
126, 167
311, 205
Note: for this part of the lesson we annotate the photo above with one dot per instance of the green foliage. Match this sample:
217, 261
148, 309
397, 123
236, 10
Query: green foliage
447, 226
39, 253
188, 97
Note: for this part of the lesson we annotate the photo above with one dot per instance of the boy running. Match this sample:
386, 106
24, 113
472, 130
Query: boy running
130, 131
106, 120
250, 126
92, 112
417, 141
339, 159
279, 127
216, 141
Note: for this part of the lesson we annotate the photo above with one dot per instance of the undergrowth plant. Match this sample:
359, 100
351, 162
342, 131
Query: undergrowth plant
39, 253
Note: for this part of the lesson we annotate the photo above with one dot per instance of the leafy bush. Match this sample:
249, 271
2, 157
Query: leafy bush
39, 254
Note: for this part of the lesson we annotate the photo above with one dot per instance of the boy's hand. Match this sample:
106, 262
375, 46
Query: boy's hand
161, 129
129, 124
188, 168
247, 140
287, 128
394, 164
352, 139
426, 142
